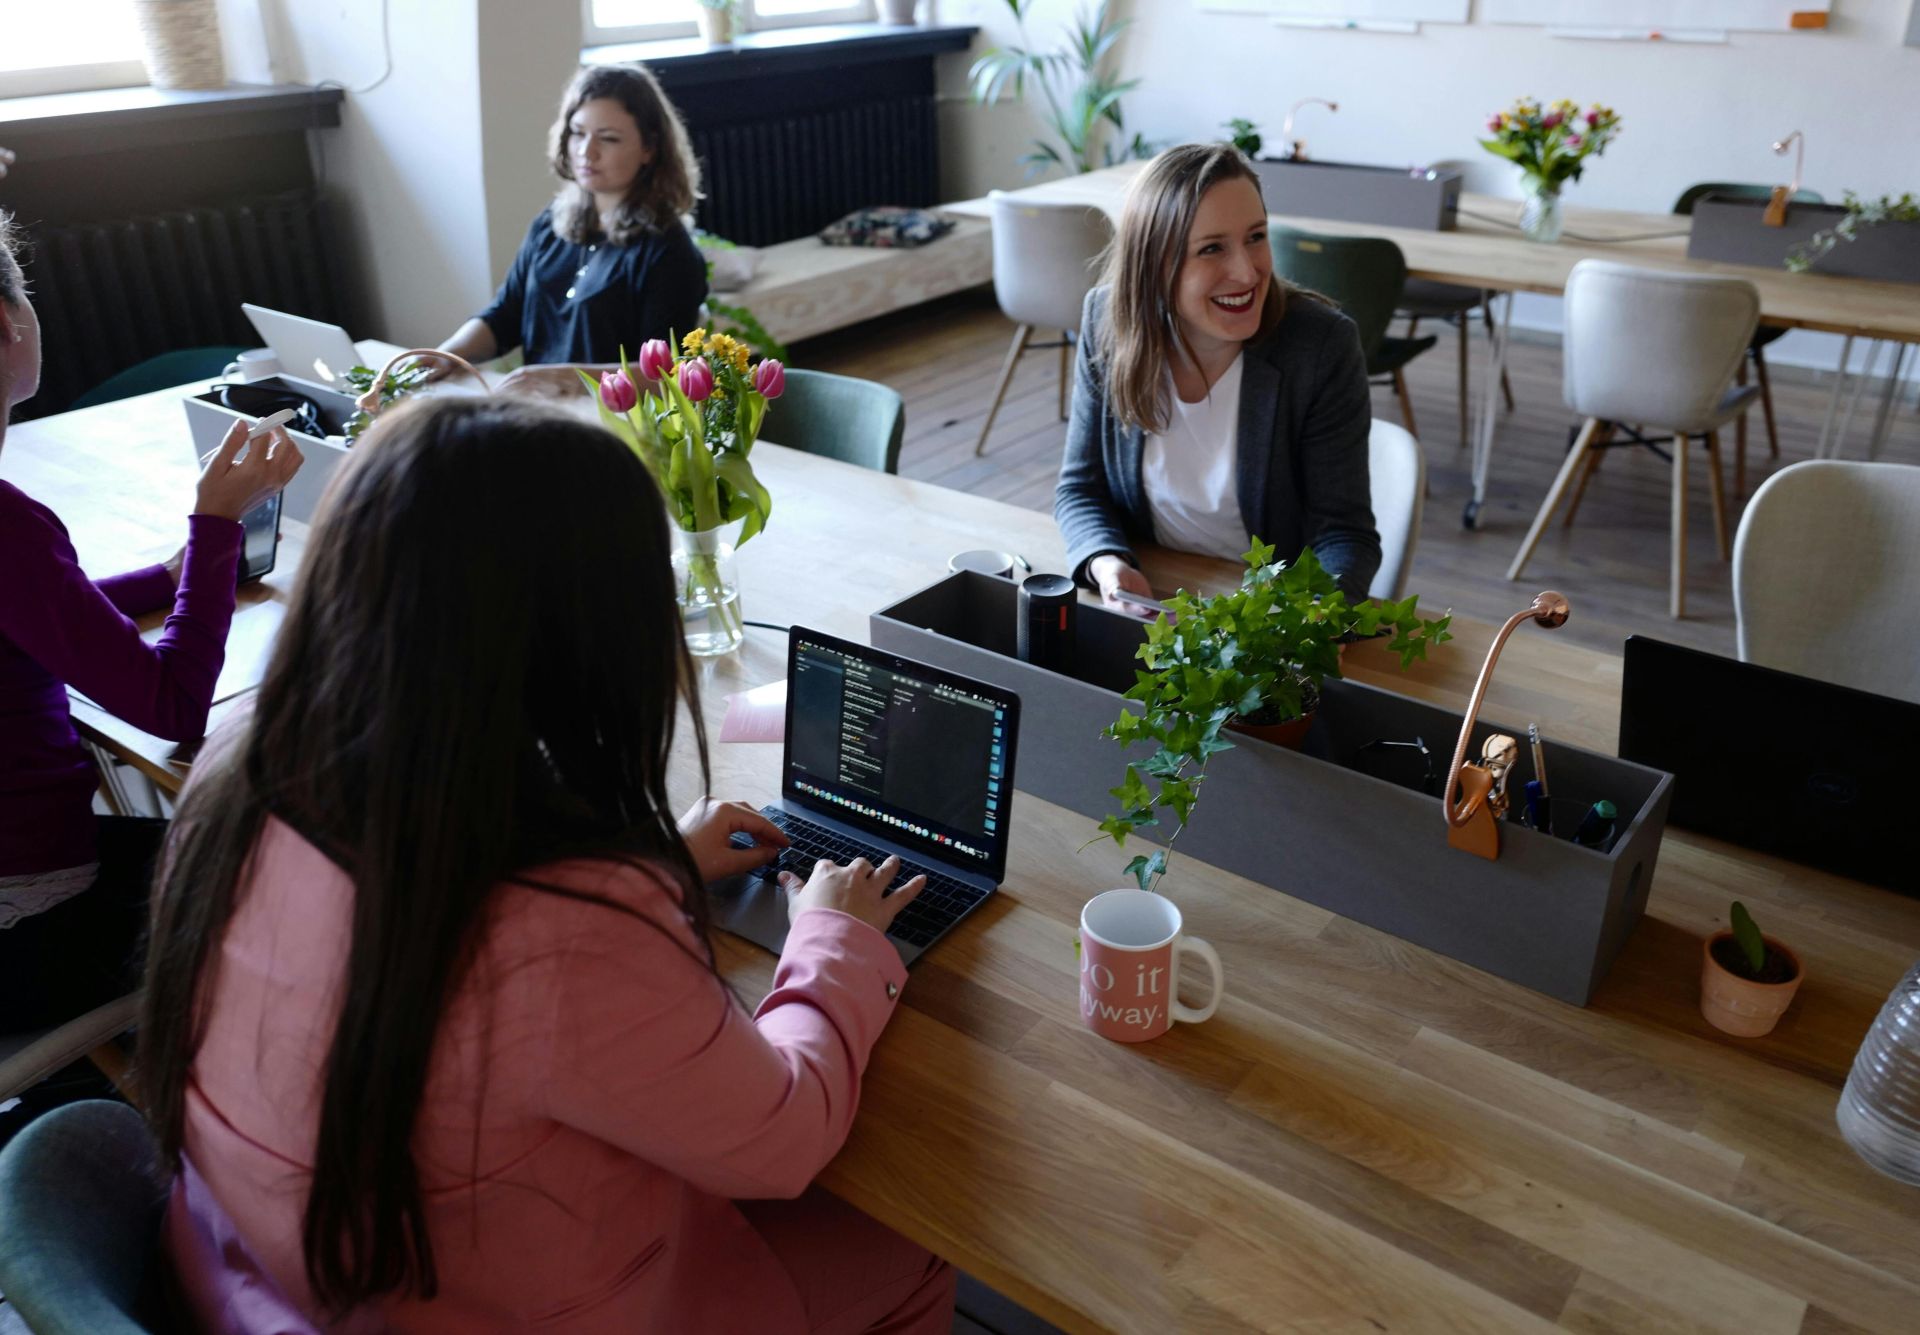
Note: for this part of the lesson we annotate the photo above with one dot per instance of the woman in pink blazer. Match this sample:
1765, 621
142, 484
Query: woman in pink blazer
432, 1026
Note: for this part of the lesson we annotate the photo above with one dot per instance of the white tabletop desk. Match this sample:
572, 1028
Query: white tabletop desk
1368, 1136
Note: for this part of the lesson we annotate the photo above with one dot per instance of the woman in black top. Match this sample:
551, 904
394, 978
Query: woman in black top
608, 264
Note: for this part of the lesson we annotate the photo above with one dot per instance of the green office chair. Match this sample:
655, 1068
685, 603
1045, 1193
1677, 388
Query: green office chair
839, 417
162, 372
1364, 276
1764, 334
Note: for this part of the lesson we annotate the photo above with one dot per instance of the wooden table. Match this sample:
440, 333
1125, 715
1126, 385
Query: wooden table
1367, 1136
1488, 251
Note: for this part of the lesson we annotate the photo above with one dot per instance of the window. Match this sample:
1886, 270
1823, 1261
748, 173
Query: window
61, 48
649, 20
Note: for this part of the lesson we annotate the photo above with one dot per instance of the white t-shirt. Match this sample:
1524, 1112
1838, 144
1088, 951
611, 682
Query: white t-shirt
1190, 476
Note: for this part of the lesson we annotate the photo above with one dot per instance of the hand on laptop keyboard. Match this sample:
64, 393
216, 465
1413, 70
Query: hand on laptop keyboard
859, 889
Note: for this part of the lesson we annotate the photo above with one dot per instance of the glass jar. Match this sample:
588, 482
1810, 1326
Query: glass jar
1540, 210
1879, 1112
707, 587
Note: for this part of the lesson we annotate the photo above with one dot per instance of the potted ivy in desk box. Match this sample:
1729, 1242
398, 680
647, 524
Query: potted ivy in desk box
1250, 661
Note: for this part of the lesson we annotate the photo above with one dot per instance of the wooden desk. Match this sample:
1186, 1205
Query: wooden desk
1496, 257
1367, 1136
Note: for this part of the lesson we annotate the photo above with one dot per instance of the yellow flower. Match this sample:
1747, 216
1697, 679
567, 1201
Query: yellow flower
740, 357
693, 340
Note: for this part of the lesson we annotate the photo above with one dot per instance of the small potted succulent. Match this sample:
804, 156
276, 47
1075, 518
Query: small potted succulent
1248, 661
1747, 980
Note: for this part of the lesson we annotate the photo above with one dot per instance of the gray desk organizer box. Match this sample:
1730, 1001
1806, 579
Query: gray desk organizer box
1428, 199
1731, 231
208, 420
1549, 914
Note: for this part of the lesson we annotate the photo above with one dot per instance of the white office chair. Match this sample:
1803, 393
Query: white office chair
1657, 348
28, 1058
1824, 573
1043, 258
1398, 472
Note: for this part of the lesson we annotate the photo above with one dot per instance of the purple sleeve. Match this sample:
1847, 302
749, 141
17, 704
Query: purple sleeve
72, 628
138, 592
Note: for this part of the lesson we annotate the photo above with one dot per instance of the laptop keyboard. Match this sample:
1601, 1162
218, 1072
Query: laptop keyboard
943, 902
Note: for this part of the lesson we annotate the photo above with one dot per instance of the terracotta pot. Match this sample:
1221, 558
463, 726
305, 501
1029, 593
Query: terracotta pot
897, 11
1291, 734
1737, 1005
716, 26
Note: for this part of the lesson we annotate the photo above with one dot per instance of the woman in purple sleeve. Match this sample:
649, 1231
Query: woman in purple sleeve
73, 886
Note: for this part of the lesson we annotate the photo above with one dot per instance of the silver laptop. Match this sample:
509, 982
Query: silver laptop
885, 756
310, 350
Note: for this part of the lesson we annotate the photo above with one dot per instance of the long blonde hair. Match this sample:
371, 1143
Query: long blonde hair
1141, 332
666, 187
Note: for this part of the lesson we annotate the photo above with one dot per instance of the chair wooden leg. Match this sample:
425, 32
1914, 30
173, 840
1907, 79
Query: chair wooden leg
1677, 598
1465, 328
1766, 402
1740, 422
1406, 403
1066, 370
1413, 326
1719, 495
111, 1061
1020, 337
1594, 456
1576, 459
1506, 384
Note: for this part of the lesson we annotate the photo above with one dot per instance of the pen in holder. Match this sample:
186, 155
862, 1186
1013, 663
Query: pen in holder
369, 402
1475, 795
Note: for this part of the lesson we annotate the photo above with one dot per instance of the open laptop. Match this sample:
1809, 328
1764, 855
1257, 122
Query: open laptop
309, 350
1785, 764
885, 755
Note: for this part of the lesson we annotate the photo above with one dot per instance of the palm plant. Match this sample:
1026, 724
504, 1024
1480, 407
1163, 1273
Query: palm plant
1081, 90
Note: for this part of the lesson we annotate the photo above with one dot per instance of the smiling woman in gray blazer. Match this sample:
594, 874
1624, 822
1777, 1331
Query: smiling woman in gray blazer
1211, 402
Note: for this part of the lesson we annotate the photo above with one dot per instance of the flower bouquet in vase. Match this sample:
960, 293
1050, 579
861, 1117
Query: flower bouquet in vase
692, 419
1550, 146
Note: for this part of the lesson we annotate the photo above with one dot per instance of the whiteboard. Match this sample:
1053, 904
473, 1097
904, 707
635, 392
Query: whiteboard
1361, 11
1742, 15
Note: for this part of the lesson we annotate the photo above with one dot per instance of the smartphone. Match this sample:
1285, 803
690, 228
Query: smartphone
260, 544
1140, 601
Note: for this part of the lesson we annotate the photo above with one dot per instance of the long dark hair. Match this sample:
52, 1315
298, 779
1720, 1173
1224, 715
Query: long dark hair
666, 187
477, 676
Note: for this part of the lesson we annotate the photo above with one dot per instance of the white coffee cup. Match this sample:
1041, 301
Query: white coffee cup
253, 364
999, 564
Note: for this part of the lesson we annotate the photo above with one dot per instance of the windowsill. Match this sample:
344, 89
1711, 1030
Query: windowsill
64, 124
825, 46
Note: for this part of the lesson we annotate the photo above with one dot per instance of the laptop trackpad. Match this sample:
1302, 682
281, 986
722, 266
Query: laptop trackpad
752, 908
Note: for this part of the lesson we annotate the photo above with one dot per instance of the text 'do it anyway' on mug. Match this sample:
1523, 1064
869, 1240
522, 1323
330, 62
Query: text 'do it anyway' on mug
1001, 565
253, 364
1131, 949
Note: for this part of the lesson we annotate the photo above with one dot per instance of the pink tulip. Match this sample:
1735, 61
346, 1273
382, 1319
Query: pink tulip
696, 379
1551, 119
1493, 125
656, 358
617, 392
1573, 141
1593, 117
770, 379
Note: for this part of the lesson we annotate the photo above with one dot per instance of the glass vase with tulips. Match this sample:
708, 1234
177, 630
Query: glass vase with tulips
1550, 145
692, 416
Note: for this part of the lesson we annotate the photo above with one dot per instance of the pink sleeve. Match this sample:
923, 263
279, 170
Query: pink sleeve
653, 1054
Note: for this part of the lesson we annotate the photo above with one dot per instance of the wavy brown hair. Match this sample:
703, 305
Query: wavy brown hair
666, 187
1141, 332
477, 676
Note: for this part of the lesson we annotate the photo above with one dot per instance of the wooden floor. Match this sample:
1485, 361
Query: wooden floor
1613, 565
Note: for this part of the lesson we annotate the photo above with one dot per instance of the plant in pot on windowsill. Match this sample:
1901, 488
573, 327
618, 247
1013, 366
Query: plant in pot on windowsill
1747, 980
718, 21
692, 420
1248, 661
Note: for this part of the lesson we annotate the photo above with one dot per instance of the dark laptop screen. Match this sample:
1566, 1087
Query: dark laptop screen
920, 756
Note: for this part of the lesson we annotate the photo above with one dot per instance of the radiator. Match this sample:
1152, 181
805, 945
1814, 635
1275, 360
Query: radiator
787, 176
112, 294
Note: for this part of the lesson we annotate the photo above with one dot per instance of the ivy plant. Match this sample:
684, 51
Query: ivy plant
1254, 656
1244, 134
1860, 213
398, 385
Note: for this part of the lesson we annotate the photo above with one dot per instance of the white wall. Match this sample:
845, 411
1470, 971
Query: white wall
1689, 112
440, 167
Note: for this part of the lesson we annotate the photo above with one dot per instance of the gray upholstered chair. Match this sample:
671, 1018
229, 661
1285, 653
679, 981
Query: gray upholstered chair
1429, 299
1658, 348
840, 417
1043, 258
1823, 575
1398, 474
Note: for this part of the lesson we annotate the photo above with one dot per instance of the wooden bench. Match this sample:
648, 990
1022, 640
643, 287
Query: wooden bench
802, 288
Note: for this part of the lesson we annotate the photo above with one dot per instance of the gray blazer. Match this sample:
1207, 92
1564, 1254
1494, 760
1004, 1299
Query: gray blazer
1305, 411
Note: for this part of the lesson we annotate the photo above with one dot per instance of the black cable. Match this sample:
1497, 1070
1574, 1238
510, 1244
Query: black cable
1577, 236
768, 625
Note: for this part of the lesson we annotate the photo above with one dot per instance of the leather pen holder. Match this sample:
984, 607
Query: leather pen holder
1475, 796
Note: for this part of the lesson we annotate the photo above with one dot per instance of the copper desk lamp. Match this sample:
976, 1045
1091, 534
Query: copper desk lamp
1474, 823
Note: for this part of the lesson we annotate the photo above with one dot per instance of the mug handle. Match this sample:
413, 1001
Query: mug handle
1187, 1014
233, 369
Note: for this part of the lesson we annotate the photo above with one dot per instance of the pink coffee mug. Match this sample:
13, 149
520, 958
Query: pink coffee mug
1130, 952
